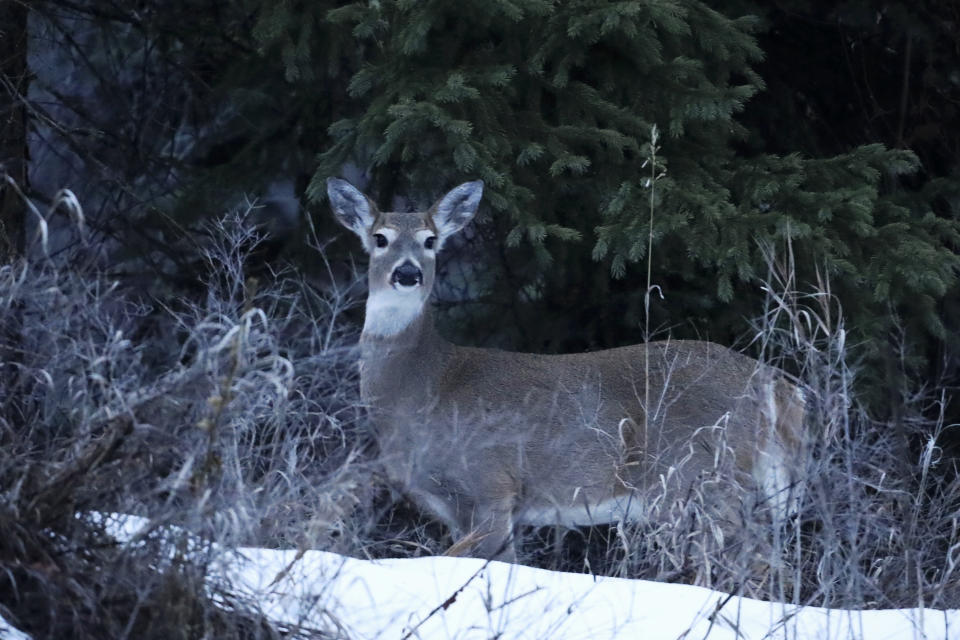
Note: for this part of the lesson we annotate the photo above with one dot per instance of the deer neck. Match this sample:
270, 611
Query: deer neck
401, 363
392, 326
390, 314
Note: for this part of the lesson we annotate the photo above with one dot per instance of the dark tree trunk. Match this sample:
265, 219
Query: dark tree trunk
14, 78
13, 124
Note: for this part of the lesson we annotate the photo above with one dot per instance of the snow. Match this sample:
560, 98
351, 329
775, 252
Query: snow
466, 598
388, 598
9, 632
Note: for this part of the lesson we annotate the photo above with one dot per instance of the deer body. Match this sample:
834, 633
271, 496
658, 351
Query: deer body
485, 439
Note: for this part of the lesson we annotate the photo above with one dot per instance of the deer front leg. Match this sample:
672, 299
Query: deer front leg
491, 531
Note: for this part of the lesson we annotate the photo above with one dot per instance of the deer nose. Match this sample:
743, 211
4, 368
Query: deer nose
407, 275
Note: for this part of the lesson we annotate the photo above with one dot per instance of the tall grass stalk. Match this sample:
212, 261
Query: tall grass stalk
651, 183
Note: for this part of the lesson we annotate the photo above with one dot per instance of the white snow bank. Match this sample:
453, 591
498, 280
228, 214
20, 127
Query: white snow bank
9, 632
438, 598
389, 598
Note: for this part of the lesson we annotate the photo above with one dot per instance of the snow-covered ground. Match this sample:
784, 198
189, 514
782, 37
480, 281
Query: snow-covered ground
9, 632
441, 598
438, 598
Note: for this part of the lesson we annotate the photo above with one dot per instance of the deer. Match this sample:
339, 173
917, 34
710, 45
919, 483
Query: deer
485, 440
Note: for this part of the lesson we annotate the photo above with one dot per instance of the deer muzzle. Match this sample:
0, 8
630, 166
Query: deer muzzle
407, 275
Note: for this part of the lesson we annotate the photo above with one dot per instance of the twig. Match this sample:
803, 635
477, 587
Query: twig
446, 603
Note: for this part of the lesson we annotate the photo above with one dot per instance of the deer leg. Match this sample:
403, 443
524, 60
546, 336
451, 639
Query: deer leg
493, 530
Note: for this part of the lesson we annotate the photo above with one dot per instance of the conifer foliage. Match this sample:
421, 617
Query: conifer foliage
552, 104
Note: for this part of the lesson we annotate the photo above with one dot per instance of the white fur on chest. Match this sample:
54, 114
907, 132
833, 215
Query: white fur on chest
389, 312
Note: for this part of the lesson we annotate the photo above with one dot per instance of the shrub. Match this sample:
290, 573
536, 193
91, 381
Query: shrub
231, 413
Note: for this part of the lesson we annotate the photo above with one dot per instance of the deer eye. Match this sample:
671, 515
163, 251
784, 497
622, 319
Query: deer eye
380, 239
430, 242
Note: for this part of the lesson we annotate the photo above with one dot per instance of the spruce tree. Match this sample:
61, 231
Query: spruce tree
552, 104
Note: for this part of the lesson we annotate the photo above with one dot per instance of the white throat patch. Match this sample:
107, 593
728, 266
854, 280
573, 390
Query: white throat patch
389, 312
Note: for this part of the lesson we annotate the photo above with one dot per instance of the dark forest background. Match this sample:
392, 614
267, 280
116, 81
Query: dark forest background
809, 144
830, 127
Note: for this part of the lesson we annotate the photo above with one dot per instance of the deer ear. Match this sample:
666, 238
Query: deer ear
454, 210
352, 209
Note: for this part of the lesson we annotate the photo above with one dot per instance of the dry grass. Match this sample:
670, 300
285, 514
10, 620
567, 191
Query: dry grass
875, 523
232, 411
232, 414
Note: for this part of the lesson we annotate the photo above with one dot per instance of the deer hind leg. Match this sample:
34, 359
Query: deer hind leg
778, 476
778, 468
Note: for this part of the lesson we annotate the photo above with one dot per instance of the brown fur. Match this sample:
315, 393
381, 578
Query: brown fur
483, 438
